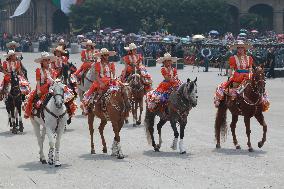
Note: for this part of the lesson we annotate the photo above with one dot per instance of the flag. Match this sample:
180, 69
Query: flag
22, 8
65, 5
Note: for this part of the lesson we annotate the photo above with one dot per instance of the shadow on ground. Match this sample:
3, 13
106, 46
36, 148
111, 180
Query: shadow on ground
101, 157
37, 166
175, 154
235, 152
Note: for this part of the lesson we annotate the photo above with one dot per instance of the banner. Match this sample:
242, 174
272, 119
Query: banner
22, 8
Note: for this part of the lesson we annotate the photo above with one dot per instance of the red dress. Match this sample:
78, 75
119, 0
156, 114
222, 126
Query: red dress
89, 57
8, 67
241, 66
131, 61
104, 73
42, 77
56, 66
166, 86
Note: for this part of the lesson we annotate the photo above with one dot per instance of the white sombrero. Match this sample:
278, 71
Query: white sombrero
11, 52
167, 56
104, 51
45, 56
12, 43
240, 44
59, 48
131, 47
89, 42
61, 42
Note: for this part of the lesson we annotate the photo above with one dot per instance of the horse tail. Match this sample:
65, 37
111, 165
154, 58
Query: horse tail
221, 122
149, 123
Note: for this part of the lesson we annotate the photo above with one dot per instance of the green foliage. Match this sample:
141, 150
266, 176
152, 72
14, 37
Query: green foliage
180, 17
254, 21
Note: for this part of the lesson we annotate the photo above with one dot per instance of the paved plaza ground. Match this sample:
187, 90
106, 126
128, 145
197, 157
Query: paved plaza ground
202, 167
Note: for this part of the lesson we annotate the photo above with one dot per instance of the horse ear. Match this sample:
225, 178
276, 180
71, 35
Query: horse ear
195, 80
188, 80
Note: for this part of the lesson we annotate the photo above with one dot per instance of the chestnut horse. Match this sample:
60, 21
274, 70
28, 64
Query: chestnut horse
111, 106
248, 103
137, 94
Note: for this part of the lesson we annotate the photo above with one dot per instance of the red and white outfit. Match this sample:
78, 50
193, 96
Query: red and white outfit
135, 61
43, 78
15, 66
89, 58
56, 65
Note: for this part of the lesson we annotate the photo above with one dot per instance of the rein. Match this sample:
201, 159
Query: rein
58, 118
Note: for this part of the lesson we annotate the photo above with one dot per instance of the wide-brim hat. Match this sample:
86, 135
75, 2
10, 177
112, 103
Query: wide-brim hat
58, 49
89, 42
167, 56
105, 51
45, 56
62, 42
240, 44
12, 43
131, 47
11, 52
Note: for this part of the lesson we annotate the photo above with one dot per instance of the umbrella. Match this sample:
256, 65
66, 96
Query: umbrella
254, 31
243, 31
242, 34
198, 37
213, 32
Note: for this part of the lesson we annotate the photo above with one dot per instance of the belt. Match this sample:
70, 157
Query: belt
242, 71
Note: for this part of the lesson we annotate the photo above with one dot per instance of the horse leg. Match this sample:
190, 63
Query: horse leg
21, 127
233, 130
14, 129
176, 135
91, 117
149, 128
36, 127
181, 146
260, 119
116, 148
141, 110
248, 131
159, 128
57, 145
101, 130
51, 145
134, 111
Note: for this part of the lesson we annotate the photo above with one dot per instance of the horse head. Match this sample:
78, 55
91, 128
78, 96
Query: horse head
15, 83
57, 91
258, 79
135, 81
189, 91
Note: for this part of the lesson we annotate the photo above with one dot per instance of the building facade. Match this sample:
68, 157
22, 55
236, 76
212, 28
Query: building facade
271, 9
42, 16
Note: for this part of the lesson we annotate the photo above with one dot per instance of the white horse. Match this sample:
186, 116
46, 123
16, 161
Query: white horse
86, 84
53, 120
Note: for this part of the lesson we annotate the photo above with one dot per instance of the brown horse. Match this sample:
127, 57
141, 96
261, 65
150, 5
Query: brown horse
111, 106
248, 103
137, 92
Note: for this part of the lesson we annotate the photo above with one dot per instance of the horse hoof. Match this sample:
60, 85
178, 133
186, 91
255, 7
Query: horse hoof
69, 121
105, 150
138, 122
157, 149
50, 162
14, 131
218, 146
126, 121
184, 152
260, 144
250, 149
238, 147
120, 156
43, 162
93, 152
134, 125
57, 165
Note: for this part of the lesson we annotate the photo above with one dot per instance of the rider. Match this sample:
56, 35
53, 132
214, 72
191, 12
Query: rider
240, 69
12, 64
44, 76
64, 47
105, 77
88, 58
133, 63
170, 82
13, 46
60, 60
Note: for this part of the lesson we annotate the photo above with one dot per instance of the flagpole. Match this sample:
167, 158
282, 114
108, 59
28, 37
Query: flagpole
46, 16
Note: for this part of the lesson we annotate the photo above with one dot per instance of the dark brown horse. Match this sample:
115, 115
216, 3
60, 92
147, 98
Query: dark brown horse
111, 106
248, 103
137, 93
